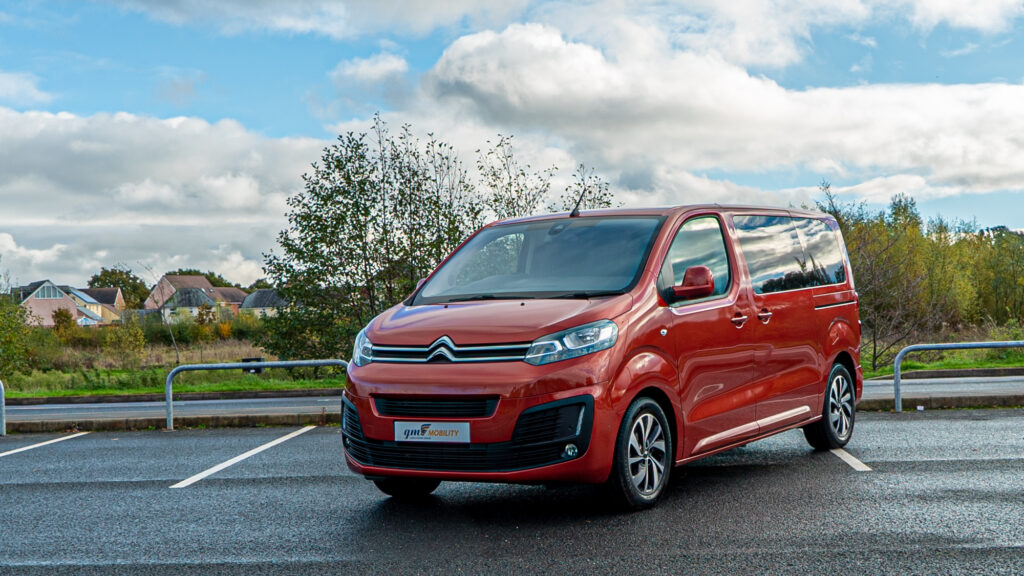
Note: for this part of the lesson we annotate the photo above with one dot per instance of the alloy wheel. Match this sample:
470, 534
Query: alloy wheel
840, 406
647, 456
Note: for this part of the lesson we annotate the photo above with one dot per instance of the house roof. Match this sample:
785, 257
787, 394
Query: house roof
87, 298
229, 294
86, 313
103, 295
182, 282
190, 298
22, 293
264, 298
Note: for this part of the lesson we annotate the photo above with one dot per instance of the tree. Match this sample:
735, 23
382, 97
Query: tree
132, 287
14, 331
127, 342
204, 326
259, 284
63, 324
513, 190
216, 280
588, 186
887, 252
377, 213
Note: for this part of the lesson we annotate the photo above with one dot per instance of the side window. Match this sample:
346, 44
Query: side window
774, 255
824, 256
699, 242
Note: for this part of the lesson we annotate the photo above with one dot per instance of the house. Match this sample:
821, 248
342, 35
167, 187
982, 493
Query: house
41, 299
177, 295
263, 302
83, 300
112, 303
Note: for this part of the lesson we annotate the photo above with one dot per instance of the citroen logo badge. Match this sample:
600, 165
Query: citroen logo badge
442, 347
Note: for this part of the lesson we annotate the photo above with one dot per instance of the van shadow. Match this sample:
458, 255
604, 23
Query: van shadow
705, 497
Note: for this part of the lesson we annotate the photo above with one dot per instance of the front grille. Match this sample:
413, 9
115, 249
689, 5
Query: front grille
436, 407
538, 440
444, 350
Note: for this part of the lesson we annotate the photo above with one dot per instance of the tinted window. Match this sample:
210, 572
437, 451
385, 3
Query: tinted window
774, 249
824, 256
567, 257
699, 242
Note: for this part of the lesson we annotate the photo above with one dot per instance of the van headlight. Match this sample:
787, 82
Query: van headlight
362, 350
573, 343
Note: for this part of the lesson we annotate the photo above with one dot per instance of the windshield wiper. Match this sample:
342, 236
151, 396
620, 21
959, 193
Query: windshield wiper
585, 294
488, 297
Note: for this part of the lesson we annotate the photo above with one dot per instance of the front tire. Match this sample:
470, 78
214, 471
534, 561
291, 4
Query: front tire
835, 428
643, 456
407, 488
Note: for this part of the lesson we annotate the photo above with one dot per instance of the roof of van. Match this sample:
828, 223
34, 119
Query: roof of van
671, 210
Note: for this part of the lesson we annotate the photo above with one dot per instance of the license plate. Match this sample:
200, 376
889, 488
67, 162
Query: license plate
457, 432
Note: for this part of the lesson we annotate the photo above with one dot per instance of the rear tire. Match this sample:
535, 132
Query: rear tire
835, 428
407, 488
643, 456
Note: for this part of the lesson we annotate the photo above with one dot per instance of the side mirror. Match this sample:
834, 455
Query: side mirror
698, 282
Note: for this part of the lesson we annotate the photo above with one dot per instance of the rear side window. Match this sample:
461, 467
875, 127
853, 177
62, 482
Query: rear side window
699, 242
824, 256
785, 253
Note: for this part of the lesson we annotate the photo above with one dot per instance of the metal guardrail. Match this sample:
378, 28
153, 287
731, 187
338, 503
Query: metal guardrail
898, 397
238, 366
3, 411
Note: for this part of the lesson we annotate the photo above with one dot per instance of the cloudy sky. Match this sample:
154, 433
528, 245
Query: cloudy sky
168, 133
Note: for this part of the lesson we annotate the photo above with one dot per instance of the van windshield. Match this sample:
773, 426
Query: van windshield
563, 258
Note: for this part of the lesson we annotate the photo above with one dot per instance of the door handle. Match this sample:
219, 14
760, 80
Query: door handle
764, 315
739, 320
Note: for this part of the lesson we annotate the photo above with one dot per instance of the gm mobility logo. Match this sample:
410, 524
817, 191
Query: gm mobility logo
432, 432
421, 432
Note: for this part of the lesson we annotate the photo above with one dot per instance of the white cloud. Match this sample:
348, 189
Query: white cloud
672, 114
968, 48
19, 88
866, 41
376, 68
989, 16
332, 18
144, 190
10, 252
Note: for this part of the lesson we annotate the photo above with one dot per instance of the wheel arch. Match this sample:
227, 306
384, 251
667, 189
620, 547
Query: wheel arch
665, 403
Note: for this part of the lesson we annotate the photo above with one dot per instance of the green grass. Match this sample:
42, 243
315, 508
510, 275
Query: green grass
954, 363
151, 381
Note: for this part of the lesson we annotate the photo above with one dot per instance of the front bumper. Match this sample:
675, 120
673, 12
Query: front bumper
551, 438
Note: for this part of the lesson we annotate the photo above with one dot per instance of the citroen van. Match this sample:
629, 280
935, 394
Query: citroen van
608, 347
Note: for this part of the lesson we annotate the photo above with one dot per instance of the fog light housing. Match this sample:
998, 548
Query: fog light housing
571, 451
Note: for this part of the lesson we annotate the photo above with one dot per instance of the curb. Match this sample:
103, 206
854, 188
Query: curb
323, 419
942, 403
181, 423
961, 373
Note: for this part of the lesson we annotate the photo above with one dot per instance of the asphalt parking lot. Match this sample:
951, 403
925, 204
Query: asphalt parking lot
944, 494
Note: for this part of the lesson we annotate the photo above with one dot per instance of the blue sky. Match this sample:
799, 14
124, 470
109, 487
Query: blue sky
158, 134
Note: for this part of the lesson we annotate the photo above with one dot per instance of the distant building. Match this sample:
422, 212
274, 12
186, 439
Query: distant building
41, 299
263, 302
176, 296
112, 303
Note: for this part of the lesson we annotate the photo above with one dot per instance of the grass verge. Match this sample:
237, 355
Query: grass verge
152, 381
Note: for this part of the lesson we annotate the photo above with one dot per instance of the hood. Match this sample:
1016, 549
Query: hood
489, 322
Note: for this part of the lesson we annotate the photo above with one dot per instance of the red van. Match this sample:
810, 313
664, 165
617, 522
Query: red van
608, 347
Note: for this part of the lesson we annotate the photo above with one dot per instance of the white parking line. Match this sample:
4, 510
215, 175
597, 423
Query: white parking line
192, 480
61, 439
849, 459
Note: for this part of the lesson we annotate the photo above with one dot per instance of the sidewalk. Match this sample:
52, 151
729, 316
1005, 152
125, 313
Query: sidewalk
959, 389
